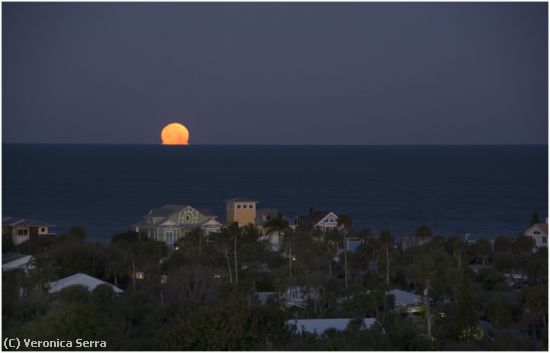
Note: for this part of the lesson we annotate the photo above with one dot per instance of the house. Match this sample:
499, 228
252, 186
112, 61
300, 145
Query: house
319, 326
539, 233
21, 229
81, 279
13, 261
172, 222
244, 211
299, 296
406, 302
317, 219
263, 298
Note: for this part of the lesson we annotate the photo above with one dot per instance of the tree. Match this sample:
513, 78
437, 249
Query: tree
250, 233
483, 249
385, 239
194, 238
524, 244
502, 244
536, 300
423, 233
498, 312
76, 232
279, 225
345, 220
459, 249
222, 242
234, 232
465, 316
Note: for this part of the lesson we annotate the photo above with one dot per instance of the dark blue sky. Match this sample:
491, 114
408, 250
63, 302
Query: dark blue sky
280, 73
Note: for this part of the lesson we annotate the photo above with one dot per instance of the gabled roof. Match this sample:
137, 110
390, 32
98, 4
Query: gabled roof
80, 279
542, 226
325, 217
314, 216
403, 298
211, 220
165, 210
22, 222
319, 326
206, 212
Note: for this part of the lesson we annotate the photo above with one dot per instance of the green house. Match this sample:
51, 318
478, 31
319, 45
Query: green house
172, 222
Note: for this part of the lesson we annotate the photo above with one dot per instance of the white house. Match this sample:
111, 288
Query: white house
539, 233
322, 220
319, 326
80, 279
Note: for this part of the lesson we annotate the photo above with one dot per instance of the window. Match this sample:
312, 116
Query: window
251, 206
42, 229
22, 232
544, 240
536, 232
238, 206
245, 206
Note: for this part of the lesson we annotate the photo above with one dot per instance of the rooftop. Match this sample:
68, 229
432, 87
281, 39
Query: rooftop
80, 279
22, 222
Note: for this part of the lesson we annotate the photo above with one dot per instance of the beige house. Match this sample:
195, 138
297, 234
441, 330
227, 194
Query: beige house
245, 211
241, 210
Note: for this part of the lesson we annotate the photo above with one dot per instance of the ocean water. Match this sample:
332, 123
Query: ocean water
482, 190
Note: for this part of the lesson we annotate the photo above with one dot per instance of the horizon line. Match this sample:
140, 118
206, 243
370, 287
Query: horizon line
272, 145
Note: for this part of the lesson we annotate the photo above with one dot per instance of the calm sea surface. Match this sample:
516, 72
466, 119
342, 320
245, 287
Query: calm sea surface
482, 190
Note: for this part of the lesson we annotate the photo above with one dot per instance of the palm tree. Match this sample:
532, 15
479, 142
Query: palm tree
459, 247
250, 233
234, 232
330, 247
385, 239
279, 225
222, 242
194, 238
423, 233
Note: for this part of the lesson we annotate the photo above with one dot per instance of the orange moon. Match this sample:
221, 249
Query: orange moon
175, 134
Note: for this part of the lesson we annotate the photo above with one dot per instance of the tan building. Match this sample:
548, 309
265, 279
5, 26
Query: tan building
241, 210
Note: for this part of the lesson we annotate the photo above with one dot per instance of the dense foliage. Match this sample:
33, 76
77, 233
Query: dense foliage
197, 296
